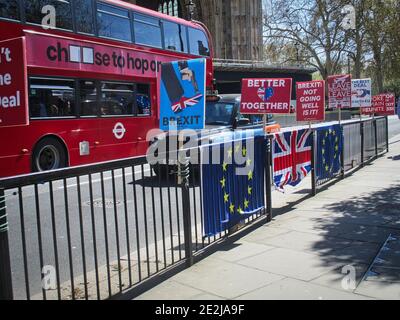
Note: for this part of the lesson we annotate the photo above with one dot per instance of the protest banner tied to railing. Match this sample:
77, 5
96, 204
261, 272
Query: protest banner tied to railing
329, 152
291, 157
233, 188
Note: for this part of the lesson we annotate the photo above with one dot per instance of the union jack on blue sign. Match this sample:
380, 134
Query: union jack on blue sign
291, 157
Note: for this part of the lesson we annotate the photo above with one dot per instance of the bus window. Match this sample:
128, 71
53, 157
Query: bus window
88, 98
147, 31
116, 99
33, 11
113, 23
84, 16
175, 36
9, 9
198, 43
143, 100
49, 98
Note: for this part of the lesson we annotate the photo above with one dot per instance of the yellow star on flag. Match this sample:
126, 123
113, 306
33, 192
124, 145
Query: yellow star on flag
326, 168
232, 208
240, 211
230, 152
223, 181
224, 166
250, 175
249, 190
237, 148
226, 197
244, 152
246, 203
248, 162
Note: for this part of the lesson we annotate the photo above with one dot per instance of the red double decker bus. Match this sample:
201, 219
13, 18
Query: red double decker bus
84, 90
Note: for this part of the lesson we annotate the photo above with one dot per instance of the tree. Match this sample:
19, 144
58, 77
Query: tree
314, 25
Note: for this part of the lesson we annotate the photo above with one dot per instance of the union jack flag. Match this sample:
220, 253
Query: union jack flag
291, 157
184, 103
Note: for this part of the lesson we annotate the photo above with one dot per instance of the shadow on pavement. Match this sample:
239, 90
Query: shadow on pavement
366, 222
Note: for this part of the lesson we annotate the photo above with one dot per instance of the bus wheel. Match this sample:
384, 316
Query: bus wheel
49, 154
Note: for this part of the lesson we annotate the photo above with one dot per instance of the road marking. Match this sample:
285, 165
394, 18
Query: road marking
105, 179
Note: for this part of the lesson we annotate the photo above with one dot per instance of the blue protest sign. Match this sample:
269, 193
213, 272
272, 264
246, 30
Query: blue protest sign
182, 95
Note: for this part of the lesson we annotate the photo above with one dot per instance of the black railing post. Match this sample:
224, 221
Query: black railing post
6, 290
313, 163
342, 172
387, 133
362, 143
376, 138
268, 180
184, 172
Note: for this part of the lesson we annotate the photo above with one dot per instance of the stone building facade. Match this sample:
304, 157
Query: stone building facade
235, 25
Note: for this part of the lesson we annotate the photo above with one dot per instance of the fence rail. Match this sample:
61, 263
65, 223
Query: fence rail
96, 231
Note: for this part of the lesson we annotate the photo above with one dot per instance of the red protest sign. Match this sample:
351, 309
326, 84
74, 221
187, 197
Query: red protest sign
13, 84
389, 108
261, 96
310, 101
378, 103
369, 111
339, 88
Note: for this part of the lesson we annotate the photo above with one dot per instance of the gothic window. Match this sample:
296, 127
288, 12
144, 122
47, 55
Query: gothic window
170, 7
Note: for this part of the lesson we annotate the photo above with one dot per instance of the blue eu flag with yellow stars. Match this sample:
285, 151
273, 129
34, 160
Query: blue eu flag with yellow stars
329, 150
229, 197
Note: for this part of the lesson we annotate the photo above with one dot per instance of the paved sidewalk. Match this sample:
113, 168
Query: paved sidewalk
301, 254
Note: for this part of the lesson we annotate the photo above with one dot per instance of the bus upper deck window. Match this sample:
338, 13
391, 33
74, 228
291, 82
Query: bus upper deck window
147, 31
9, 9
113, 22
175, 36
198, 43
33, 12
84, 16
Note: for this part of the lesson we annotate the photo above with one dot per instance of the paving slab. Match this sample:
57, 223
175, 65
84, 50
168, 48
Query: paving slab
335, 278
225, 279
290, 263
292, 289
241, 250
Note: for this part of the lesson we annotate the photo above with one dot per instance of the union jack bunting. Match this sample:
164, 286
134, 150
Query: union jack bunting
291, 157
185, 103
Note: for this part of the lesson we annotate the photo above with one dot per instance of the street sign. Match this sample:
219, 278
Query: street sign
266, 96
339, 91
361, 96
310, 104
182, 95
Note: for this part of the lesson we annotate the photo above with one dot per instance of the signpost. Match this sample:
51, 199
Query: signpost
339, 92
310, 101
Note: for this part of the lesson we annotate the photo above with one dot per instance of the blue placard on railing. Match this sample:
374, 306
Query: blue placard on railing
182, 95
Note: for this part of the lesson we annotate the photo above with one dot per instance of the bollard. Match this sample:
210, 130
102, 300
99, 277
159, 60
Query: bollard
376, 138
184, 173
6, 290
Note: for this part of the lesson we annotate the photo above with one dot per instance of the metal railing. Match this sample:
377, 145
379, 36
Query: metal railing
97, 231
94, 232
363, 141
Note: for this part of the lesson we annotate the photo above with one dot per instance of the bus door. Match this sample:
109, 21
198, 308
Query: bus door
118, 136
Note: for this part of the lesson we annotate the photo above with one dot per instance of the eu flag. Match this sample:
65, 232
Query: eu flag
329, 150
233, 192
